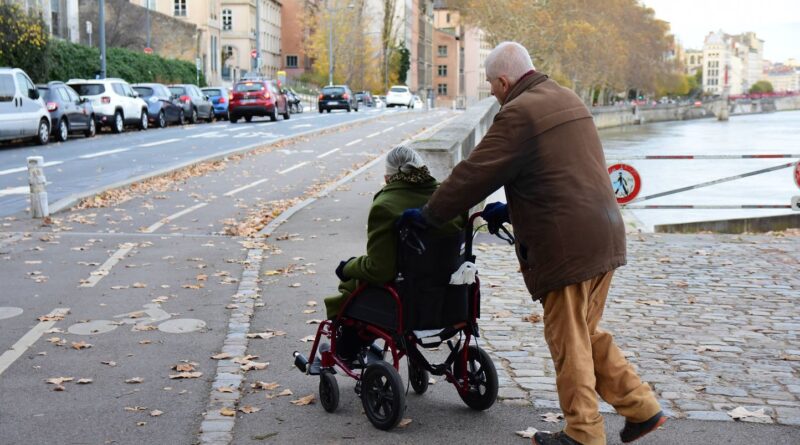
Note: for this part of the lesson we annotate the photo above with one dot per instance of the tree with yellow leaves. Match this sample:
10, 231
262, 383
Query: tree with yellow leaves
25, 41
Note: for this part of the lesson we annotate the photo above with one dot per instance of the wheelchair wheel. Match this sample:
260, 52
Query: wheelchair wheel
419, 378
382, 395
328, 391
482, 377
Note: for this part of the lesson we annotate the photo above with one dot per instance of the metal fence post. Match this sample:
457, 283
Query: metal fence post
37, 182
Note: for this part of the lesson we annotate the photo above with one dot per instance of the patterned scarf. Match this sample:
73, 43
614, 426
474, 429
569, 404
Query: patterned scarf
415, 176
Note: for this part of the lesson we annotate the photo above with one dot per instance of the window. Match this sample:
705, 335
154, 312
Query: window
227, 19
442, 89
117, 87
442, 50
7, 89
441, 70
180, 8
62, 93
291, 61
448, 17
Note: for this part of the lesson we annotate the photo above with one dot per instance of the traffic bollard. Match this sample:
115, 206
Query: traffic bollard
37, 181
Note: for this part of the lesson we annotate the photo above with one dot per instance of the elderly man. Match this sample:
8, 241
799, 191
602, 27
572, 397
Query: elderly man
544, 149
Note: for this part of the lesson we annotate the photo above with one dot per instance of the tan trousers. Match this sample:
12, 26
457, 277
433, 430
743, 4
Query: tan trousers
588, 362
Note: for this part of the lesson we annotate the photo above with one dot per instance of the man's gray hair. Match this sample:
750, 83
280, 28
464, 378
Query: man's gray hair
508, 59
403, 159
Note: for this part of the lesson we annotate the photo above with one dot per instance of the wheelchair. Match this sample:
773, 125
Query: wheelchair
419, 310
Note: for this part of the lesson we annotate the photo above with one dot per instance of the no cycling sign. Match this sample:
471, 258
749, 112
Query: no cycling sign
625, 181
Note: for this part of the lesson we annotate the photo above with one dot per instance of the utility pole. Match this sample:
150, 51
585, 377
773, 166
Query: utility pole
102, 38
330, 46
148, 24
258, 37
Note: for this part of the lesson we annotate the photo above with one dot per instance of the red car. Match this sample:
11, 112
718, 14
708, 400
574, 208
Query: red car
257, 97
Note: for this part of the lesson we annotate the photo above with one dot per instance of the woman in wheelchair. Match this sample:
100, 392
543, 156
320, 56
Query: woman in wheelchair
408, 184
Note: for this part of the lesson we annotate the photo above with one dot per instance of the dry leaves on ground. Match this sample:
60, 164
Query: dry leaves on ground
81, 345
743, 413
156, 413
302, 401
84, 381
134, 380
307, 338
184, 367
221, 356
245, 359
228, 389
186, 375
264, 385
552, 417
532, 318
247, 409
227, 412
249, 366
528, 433
53, 317
502, 314
404, 423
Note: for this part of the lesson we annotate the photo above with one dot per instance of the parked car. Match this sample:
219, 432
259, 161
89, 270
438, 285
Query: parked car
162, 108
257, 97
195, 104
295, 104
365, 97
399, 96
68, 112
22, 112
114, 102
337, 97
220, 98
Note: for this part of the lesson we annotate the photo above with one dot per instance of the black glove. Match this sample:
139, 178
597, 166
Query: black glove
495, 215
340, 269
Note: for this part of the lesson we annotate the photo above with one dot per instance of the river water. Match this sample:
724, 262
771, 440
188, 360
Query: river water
771, 133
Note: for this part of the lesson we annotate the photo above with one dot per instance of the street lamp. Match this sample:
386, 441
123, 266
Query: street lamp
330, 39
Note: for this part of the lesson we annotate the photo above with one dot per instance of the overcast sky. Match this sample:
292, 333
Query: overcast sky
777, 22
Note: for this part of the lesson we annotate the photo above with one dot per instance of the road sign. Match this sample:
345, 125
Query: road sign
625, 181
253, 54
148, 50
797, 174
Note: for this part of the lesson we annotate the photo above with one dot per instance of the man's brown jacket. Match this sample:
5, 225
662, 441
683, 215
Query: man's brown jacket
543, 147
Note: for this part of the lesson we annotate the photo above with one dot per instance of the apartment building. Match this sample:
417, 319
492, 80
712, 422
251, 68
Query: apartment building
732, 63
242, 22
294, 33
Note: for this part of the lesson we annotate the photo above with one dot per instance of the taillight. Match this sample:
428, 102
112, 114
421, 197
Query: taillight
345, 96
221, 100
320, 97
185, 99
105, 100
266, 95
52, 106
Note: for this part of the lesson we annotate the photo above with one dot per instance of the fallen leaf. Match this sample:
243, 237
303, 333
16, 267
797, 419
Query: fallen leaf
232, 306
404, 423
790, 357
742, 413
272, 272
265, 385
532, 318
184, 367
145, 342
110, 363
309, 399
295, 285
503, 314
137, 314
431, 381
311, 303
309, 311
84, 381
201, 277
134, 380
138, 285
228, 389
119, 287
56, 317
81, 345
552, 417
247, 409
528, 433
186, 375
313, 321
285, 392
227, 412
156, 413
245, 359
135, 408
263, 335
58, 380
254, 365
144, 327
221, 356
308, 338
141, 423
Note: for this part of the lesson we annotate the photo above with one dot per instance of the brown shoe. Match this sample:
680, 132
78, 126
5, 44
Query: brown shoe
633, 431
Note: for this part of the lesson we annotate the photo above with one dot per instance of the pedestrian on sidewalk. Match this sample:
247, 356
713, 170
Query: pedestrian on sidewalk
543, 147
408, 184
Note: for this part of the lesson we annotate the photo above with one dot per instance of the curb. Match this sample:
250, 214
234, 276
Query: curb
73, 199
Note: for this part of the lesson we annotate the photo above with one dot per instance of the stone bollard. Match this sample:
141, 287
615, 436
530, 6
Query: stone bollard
37, 182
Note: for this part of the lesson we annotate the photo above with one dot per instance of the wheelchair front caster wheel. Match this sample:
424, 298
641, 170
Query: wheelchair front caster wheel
328, 391
481, 378
382, 395
418, 377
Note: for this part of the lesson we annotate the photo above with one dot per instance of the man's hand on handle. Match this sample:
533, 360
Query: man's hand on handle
495, 214
340, 269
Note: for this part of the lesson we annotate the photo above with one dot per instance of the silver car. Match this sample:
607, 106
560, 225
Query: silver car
22, 112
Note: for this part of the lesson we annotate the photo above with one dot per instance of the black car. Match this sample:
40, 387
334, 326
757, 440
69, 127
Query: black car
365, 97
196, 105
162, 108
68, 112
337, 97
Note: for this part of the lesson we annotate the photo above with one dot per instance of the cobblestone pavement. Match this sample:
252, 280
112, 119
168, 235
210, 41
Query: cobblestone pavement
710, 321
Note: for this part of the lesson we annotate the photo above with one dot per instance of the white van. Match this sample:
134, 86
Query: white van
22, 112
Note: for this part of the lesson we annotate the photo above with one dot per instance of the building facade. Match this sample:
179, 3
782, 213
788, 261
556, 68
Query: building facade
242, 21
732, 63
692, 61
60, 16
476, 49
294, 33
448, 62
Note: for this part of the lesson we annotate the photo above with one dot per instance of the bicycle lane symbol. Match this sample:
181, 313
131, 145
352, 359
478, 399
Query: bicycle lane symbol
141, 320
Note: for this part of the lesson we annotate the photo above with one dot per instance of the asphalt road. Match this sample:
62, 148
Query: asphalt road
82, 164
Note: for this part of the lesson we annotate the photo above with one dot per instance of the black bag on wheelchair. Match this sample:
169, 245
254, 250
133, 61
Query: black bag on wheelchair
425, 264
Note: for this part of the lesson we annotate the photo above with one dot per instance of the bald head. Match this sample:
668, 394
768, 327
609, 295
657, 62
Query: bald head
508, 59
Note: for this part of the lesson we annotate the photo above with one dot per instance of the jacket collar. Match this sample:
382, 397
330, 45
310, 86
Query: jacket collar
530, 79
401, 185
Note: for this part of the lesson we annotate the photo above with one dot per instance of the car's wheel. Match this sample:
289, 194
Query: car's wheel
143, 120
286, 114
248, 118
118, 126
193, 117
328, 391
43, 134
382, 395
211, 116
349, 109
233, 119
481, 378
181, 118
162, 119
321, 110
92, 130
62, 131
273, 116
328, 110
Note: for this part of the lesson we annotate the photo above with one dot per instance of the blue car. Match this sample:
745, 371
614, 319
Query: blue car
220, 97
162, 108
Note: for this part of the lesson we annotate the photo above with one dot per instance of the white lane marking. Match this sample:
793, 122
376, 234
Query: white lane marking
401, 124
301, 126
245, 187
294, 167
29, 339
15, 191
207, 134
103, 153
105, 268
374, 134
22, 169
327, 153
171, 218
165, 141
239, 127
353, 142
387, 130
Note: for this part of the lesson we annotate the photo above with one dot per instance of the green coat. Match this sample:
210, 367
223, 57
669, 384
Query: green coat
378, 265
